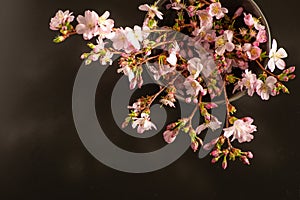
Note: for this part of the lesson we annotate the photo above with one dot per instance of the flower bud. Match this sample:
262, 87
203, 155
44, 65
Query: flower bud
91, 45
249, 154
59, 39
171, 126
238, 12
214, 160
286, 79
195, 101
245, 160
215, 153
210, 105
204, 92
226, 152
188, 100
186, 129
224, 163
84, 55
291, 69
292, 76
221, 140
194, 145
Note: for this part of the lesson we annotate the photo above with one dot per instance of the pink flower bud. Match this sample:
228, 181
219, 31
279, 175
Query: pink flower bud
124, 124
195, 101
188, 100
133, 83
224, 164
249, 154
211, 105
207, 117
245, 160
169, 136
171, 126
292, 69
204, 92
194, 145
209, 145
292, 76
214, 160
286, 78
238, 12
215, 153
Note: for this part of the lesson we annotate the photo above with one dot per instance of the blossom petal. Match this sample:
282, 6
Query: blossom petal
280, 64
274, 45
271, 65
281, 53
144, 7
230, 46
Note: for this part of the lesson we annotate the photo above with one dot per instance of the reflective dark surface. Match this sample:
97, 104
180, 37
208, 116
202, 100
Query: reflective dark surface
42, 156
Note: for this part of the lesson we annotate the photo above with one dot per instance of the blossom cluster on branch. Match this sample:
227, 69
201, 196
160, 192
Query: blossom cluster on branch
238, 57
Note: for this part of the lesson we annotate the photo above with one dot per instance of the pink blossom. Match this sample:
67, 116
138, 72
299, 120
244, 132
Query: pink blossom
119, 39
241, 130
107, 58
215, 9
211, 144
60, 19
194, 67
192, 86
210, 36
127, 39
143, 123
106, 25
264, 89
167, 102
88, 24
169, 136
136, 106
242, 64
254, 53
127, 72
175, 5
261, 36
172, 58
248, 19
213, 124
252, 21
191, 10
152, 10
133, 38
161, 71
276, 57
224, 42
99, 46
249, 81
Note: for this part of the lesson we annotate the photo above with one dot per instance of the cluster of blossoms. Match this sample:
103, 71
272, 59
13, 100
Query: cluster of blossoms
238, 61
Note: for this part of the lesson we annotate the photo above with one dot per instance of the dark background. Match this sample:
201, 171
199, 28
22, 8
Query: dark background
42, 156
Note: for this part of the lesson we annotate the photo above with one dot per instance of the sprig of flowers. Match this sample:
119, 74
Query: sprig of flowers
236, 45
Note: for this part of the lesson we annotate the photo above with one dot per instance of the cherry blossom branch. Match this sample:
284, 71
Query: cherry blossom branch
227, 105
161, 90
265, 70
